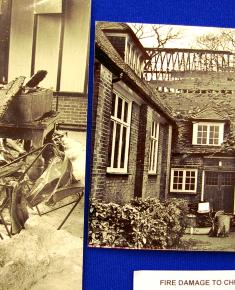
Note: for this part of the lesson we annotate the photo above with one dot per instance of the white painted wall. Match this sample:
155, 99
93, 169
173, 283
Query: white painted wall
75, 48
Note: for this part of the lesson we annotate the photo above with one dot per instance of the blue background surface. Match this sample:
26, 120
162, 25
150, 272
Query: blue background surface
111, 269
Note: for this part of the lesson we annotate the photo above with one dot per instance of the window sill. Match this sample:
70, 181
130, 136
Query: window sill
152, 174
69, 94
207, 145
117, 173
184, 192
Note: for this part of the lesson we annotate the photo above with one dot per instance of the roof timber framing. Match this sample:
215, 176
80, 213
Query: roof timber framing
165, 61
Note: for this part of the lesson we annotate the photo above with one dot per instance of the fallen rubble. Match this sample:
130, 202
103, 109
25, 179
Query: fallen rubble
41, 255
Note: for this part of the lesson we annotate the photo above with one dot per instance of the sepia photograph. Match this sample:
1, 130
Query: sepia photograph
163, 139
44, 54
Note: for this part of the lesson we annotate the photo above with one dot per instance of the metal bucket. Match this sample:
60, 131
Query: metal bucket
191, 220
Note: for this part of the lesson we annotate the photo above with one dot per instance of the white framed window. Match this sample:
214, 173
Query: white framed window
183, 180
153, 154
120, 134
205, 133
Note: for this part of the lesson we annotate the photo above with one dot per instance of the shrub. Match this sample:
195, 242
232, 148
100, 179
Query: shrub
140, 223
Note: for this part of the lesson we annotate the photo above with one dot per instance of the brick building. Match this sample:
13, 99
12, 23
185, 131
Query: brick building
202, 98
179, 102
52, 35
132, 129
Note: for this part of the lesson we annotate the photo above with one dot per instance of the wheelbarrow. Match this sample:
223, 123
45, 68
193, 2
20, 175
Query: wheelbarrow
55, 183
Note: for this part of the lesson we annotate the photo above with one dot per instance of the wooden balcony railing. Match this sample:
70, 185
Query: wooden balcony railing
170, 63
190, 70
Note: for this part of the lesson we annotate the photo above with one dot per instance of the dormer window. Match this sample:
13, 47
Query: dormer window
208, 133
131, 53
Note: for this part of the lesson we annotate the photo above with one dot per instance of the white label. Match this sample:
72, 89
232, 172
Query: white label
184, 280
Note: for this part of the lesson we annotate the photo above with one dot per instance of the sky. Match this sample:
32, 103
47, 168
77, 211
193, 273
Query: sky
189, 34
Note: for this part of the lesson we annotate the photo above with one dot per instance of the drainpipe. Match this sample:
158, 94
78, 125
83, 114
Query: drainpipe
234, 200
168, 160
203, 185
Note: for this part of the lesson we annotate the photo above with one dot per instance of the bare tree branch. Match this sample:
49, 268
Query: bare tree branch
160, 34
140, 33
138, 29
223, 40
163, 37
230, 36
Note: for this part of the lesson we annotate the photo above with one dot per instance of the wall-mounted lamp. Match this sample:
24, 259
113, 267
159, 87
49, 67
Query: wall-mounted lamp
220, 163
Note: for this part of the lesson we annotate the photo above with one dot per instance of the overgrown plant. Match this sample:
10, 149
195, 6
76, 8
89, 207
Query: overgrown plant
140, 223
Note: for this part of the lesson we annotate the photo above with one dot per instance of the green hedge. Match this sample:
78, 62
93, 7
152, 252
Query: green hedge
148, 223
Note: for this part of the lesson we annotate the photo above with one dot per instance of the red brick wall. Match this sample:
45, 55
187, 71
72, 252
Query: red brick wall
73, 110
